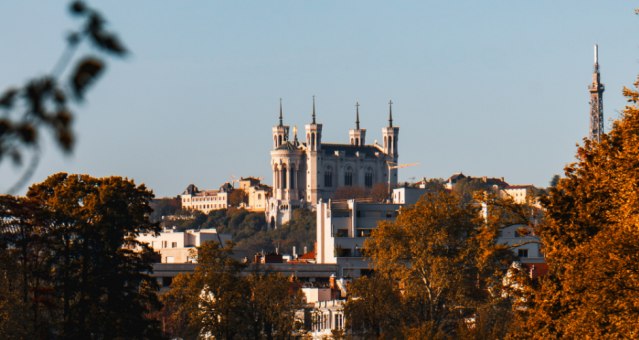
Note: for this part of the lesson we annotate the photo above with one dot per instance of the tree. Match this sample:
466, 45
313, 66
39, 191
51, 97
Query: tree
237, 197
443, 255
44, 103
217, 300
82, 272
372, 309
590, 240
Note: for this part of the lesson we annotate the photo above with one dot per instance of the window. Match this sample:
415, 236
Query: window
348, 177
284, 182
328, 177
173, 244
368, 178
522, 252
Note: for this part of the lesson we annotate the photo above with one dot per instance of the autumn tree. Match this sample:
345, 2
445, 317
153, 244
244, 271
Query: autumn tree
373, 309
590, 239
218, 300
442, 254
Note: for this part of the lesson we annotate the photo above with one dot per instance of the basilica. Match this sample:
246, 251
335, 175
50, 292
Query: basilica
305, 172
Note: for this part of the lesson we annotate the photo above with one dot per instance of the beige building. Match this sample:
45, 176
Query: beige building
205, 200
257, 193
180, 246
520, 194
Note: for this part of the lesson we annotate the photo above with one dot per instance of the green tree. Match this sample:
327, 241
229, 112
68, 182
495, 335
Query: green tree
590, 241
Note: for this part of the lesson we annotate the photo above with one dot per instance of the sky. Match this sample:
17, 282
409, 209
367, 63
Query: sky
489, 88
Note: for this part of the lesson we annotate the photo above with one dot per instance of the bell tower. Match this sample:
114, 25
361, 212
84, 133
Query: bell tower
280, 131
357, 136
313, 150
390, 135
596, 90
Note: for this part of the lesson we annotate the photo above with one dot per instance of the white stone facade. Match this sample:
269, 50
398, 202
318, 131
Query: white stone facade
305, 172
180, 247
205, 200
342, 228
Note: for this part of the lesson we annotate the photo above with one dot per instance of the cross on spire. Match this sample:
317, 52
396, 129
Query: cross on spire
390, 113
357, 115
281, 118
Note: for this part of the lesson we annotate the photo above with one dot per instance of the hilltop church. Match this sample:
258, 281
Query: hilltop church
312, 170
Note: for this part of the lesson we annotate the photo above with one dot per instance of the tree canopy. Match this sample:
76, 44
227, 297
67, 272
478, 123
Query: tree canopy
440, 260
77, 266
590, 239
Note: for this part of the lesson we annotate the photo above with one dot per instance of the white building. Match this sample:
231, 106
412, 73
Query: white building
306, 171
525, 244
180, 246
407, 195
520, 194
205, 200
342, 228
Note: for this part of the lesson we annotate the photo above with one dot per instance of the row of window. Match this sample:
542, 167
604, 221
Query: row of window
321, 322
204, 199
348, 177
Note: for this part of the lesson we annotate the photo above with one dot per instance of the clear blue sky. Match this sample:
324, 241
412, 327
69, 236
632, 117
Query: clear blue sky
490, 88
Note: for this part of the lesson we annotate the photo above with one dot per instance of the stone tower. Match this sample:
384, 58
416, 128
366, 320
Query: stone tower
313, 147
391, 136
596, 90
357, 136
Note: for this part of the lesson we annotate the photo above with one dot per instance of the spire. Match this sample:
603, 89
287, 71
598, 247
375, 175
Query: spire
281, 118
313, 110
390, 113
596, 90
357, 115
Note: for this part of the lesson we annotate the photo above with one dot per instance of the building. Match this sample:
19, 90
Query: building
305, 172
180, 246
205, 200
408, 195
342, 228
256, 192
525, 244
520, 194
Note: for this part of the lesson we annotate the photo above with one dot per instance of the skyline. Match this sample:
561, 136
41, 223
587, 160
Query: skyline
497, 90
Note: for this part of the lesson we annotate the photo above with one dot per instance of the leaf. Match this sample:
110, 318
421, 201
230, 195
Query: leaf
77, 8
109, 43
27, 133
8, 97
86, 72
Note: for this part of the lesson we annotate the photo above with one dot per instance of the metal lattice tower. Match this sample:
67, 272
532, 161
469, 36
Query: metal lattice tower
596, 90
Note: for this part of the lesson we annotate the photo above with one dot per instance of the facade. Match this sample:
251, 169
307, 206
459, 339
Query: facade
180, 246
407, 195
305, 172
342, 228
520, 194
205, 200
257, 193
525, 244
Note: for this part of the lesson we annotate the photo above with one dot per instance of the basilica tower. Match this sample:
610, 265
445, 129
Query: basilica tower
391, 136
357, 136
596, 90
313, 150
